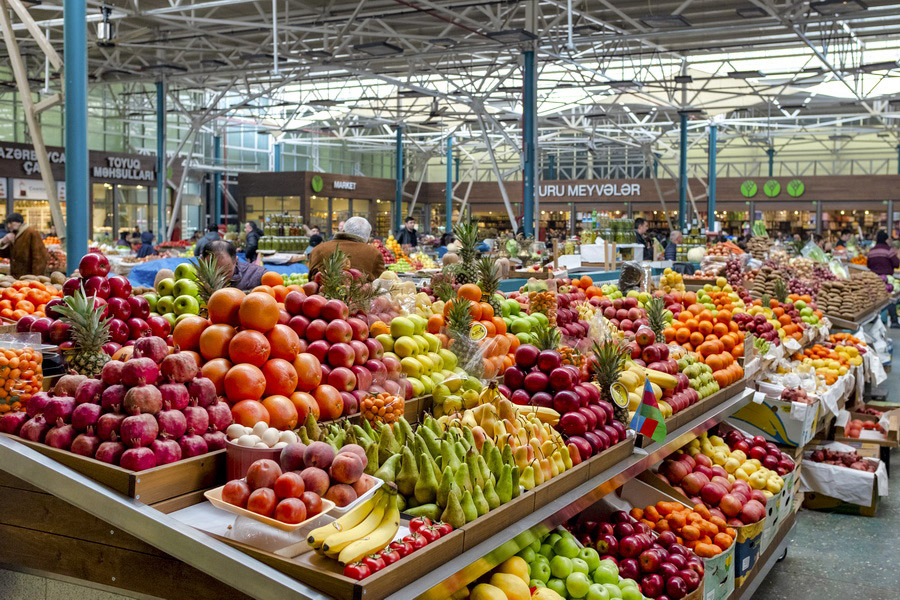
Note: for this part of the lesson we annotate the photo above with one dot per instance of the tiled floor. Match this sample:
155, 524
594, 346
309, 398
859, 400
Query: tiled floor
843, 556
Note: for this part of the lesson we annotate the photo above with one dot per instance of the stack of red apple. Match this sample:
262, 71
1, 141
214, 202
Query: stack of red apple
152, 410
648, 352
664, 568
539, 378
130, 317
351, 361
697, 478
757, 447
851, 460
624, 313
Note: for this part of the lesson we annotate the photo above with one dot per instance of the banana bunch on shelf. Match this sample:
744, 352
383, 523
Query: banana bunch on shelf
366, 529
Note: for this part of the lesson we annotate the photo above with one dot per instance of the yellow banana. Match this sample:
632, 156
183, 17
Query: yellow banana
376, 540
336, 542
350, 520
544, 414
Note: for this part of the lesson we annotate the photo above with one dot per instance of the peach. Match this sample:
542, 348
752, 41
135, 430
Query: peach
346, 468
357, 450
318, 454
292, 457
365, 483
341, 494
316, 480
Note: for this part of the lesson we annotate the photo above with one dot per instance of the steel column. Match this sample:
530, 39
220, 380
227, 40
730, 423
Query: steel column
530, 141
682, 174
278, 160
889, 225
160, 160
819, 224
77, 190
448, 202
551, 166
217, 180
458, 162
770, 152
711, 177
398, 193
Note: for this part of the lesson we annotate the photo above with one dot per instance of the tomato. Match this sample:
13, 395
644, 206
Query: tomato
291, 510
404, 548
418, 523
236, 492
417, 540
374, 562
262, 502
390, 556
430, 533
443, 528
289, 485
357, 571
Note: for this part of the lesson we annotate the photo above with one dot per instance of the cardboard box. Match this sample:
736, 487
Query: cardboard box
785, 423
824, 503
890, 439
835, 488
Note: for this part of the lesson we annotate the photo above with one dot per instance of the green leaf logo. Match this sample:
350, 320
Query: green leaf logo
795, 188
771, 188
748, 189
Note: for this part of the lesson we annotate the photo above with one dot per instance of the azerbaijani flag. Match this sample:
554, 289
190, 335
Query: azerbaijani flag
648, 419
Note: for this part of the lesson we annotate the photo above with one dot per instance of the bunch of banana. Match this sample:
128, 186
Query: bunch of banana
365, 529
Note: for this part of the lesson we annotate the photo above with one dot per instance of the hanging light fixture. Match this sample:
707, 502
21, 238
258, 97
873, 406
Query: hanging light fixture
105, 29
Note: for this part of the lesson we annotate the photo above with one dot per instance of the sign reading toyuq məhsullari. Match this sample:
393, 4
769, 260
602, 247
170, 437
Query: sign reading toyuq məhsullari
586, 190
123, 168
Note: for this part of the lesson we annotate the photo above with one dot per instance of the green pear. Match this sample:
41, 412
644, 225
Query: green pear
468, 437
419, 445
527, 478
435, 427
405, 427
481, 504
486, 447
495, 462
401, 502
474, 470
387, 445
460, 450
372, 458
426, 485
468, 506
431, 441
453, 513
388, 469
446, 484
448, 456
504, 485
462, 478
507, 455
432, 511
409, 473
482, 466
490, 495
516, 476
367, 427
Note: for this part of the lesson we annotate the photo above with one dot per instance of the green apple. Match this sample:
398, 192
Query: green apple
434, 344
613, 589
606, 572
418, 388
406, 346
427, 365
536, 323
514, 307
624, 584
504, 308
450, 359
454, 383
165, 287
428, 383
473, 383
561, 566
524, 338
522, 325
419, 324
596, 592
577, 584
387, 342
470, 398
421, 342
170, 317
151, 299
165, 304
402, 326
579, 566
558, 586
438, 361
186, 287
540, 570
591, 557
186, 271
410, 366
536, 583
536, 544
453, 404
436, 376
187, 305
542, 318
546, 551
528, 555
182, 317
632, 593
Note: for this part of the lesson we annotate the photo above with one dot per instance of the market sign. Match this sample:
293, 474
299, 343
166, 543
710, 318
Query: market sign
20, 161
771, 188
317, 183
27, 157
585, 190
748, 189
33, 189
118, 167
795, 188
344, 185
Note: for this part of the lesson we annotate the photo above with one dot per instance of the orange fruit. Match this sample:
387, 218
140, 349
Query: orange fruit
249, 346
284, 341
244, 382
214, 341
271, 279
258, 311
281, 377
186, 334
223, 305
469, 291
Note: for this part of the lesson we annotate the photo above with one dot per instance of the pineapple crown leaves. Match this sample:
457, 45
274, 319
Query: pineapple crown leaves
547, 337
211, 276
339, 284
90, 330
488, 275
656, 316
459, 316
610, 356
781, 291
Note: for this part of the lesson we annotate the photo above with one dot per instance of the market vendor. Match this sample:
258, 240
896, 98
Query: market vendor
146, 248
354, 242
24, 248
244, 275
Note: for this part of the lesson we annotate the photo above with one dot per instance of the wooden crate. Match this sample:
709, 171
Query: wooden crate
149, 486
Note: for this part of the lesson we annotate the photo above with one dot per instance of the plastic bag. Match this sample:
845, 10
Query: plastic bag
631, 277
18, 384
812, 251
839, 269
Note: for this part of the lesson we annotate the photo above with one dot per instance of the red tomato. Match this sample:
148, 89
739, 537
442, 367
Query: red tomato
236, 492
443, 528
262, 502
390, 556
291, 510
430, 533
404, 548
289, 485
418, 523
357, 571
374, 562
417, 540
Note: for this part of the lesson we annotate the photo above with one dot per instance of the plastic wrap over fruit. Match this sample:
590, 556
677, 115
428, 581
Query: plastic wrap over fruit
23, 349
631, 277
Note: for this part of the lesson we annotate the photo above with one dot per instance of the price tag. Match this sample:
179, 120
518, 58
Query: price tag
759, 397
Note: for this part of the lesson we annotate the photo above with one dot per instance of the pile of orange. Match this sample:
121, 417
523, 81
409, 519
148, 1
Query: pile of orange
717, 340
845, 339
20, 377
707, 535
26, 298
498, 345
587, 284
382, 408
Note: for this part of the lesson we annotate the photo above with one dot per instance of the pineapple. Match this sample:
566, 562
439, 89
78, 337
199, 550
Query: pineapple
459, 326
547, 337
338, 283
489, 282
467, 234
780, 290
89, 332
211, 276
656, 317
609, 362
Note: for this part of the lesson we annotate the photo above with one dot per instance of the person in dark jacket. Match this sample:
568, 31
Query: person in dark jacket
211, 235
640, 229
244, 275
24, 248
146, 248
883, 260
408, 235
252, 243
672, 247
354, 242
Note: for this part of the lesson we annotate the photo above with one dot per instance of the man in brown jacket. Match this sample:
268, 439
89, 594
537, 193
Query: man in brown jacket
24, 248
354, 242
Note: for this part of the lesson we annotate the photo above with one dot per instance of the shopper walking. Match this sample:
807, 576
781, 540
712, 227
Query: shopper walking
408, 235
883, 260
146, 248
244, 275
354, 242
252, 244
24, 248
211, 235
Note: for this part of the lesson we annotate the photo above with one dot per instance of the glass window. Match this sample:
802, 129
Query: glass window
382, 225
340, 211
291, 205
318, 213
134, 208
360, 208
102, 212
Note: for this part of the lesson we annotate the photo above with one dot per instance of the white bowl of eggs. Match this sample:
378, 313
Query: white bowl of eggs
246, 445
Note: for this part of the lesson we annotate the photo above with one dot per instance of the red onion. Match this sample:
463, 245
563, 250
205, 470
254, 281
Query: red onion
36, 404
67, 385
12, 422
85, 416
35, 429
140, 371
59, 410
192, 445
174, 396
60, 437
152, 347
110, 452
197, 420
180, 367
202, 391
139, 430
215, 440
219, 416
112, 398
86, 445
112, 372
166, 451
88, 391
138, 459
172, 424
144, 399
108, 426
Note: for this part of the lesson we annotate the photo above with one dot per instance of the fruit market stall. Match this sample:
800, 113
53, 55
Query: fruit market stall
405, 438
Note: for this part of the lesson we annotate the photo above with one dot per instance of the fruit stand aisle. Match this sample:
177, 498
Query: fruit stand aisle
428, 435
